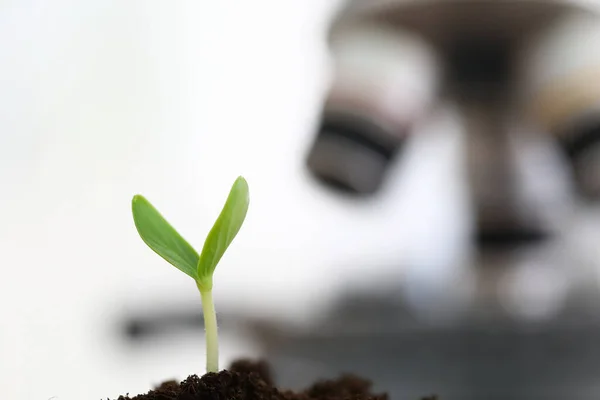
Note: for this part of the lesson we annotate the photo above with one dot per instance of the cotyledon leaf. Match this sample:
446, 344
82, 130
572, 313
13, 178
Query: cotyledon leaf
223, 232
162, 238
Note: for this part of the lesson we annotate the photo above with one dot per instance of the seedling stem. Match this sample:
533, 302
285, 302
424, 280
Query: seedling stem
211, 329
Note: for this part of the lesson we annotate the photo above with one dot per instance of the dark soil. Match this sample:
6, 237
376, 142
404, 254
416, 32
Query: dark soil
249, 380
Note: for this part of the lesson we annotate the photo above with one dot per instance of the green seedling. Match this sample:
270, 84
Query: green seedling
165, 241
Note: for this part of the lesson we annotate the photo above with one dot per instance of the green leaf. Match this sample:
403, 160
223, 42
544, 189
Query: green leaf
162, 238
223, 231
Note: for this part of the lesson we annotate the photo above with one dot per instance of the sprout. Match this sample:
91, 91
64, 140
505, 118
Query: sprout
164, 240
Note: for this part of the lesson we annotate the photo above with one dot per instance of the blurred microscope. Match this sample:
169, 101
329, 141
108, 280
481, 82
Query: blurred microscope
525, 79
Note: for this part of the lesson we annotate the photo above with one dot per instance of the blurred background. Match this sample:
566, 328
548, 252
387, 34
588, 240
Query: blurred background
424, 178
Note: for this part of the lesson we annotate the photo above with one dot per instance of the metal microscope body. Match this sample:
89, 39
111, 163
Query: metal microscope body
514, 69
